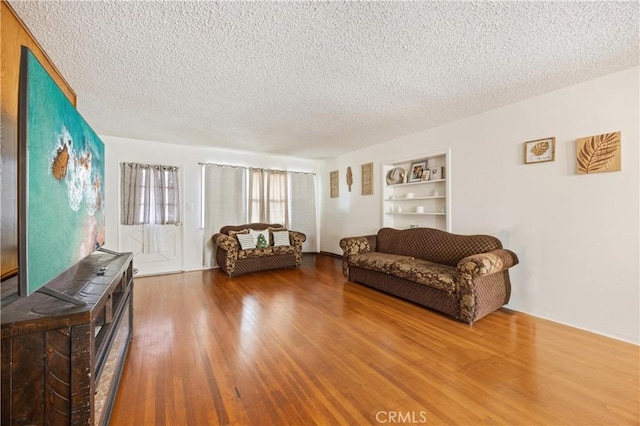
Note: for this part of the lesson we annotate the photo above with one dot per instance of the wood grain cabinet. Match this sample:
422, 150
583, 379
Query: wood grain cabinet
61, 363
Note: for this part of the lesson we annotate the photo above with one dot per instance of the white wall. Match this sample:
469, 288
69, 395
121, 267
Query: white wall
577, 236
187, 158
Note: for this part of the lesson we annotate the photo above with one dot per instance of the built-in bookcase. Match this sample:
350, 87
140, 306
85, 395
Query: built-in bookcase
410, 198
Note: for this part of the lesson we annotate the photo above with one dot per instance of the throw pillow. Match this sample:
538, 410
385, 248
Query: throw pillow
256, 234
281, 238
246, 241
262, 242
274, 229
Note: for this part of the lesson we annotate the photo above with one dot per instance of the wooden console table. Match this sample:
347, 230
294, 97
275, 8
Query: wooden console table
61, 363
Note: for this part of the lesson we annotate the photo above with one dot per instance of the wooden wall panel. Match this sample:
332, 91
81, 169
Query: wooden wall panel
13, 34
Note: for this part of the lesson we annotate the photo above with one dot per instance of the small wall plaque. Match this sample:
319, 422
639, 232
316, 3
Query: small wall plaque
335, 185
540, 150
367, 179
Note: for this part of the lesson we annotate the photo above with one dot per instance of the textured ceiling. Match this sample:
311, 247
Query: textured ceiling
316, 79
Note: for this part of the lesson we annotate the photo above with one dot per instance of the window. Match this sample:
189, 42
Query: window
268, 197
150, 194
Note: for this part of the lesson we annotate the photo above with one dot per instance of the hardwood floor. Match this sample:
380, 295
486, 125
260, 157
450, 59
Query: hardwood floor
307, 347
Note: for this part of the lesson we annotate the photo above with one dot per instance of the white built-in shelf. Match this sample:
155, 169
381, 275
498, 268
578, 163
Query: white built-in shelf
421, 182
418, 214
432, 197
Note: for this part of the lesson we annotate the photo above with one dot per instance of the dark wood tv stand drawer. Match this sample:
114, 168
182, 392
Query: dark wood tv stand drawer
61, 363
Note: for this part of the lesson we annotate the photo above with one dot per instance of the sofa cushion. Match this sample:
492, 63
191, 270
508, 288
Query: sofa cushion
375, 261
261, 252
434, 245
435, 275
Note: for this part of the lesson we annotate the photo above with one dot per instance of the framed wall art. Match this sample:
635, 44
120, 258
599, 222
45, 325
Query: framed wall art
367, 179
334, 184
540, 150
598, 154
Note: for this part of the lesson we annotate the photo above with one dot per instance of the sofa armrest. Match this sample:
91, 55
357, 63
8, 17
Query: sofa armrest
484, 282
482, 264
226, 242
231, 246
297, 238
355, 245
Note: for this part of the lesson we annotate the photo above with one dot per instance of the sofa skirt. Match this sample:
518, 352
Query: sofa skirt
418, 293
265, 263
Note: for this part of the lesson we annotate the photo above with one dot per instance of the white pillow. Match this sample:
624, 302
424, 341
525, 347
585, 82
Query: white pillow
281, 238
255, 234
246, 241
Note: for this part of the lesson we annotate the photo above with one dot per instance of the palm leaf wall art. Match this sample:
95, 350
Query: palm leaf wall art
540, 150
597, 154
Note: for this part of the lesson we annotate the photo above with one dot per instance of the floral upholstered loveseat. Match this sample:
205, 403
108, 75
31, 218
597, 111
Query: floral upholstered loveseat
233, 260
464, 276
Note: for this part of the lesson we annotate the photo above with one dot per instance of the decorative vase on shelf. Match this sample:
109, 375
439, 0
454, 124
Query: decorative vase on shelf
395, 176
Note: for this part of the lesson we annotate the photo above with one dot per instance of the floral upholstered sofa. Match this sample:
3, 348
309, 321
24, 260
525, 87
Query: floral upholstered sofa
234, 260
464, 276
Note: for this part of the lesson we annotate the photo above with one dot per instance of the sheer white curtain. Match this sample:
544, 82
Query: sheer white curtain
256, 196
303, 208
225, 203
277, 197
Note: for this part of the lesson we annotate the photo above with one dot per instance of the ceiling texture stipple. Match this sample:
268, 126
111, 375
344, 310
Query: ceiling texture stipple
317, 79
